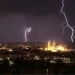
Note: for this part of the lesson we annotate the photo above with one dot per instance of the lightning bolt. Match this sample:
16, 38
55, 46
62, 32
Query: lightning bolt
67, 23
27, 30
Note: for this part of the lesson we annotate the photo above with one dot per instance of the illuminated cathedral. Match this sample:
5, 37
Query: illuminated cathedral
54, 48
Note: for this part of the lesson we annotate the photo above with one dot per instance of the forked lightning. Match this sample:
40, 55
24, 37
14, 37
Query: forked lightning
67, 23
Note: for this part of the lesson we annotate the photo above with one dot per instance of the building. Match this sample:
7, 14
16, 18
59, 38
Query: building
54, 48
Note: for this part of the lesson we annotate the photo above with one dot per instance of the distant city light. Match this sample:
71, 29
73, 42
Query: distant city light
41, 48
54, 48
36, 58
10, 50
10, 63
1, 58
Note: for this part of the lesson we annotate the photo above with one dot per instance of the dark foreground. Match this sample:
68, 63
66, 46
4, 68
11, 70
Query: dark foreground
37, 67
22, 70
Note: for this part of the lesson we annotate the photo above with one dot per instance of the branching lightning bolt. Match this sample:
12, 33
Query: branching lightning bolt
67, 23
27, 30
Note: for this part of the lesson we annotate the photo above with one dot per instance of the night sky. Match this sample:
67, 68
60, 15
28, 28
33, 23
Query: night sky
42, 15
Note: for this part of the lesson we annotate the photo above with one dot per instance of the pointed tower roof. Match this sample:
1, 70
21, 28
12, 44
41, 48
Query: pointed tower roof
49, 42
54, 43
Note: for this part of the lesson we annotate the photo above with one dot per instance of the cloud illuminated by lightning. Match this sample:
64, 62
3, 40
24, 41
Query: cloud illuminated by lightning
27, 30
67, 23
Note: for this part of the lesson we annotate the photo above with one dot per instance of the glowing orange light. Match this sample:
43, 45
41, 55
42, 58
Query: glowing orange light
60, 47
52, 47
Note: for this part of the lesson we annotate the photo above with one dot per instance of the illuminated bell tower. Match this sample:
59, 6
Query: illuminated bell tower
54, 46
49, 45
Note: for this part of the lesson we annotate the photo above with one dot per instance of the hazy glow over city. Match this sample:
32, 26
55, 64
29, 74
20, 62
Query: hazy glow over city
54, 48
